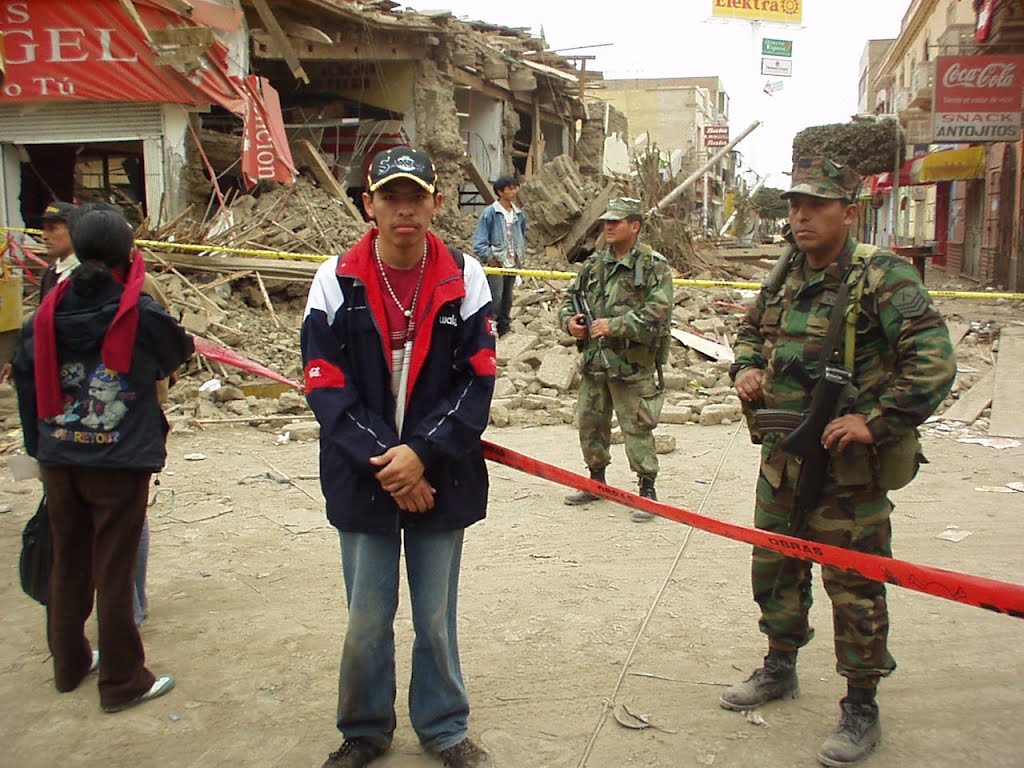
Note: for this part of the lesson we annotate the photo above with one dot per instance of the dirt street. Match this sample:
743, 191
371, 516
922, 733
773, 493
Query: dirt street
566, 614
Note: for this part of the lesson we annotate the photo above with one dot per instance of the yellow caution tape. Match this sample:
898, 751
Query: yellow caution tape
539, 273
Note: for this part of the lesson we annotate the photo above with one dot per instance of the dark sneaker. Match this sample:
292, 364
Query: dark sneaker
858, 733
354, 753
775, 680
465, 754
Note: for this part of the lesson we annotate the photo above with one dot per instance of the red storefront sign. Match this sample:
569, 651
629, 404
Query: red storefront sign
716, 136
978, 98
68, 50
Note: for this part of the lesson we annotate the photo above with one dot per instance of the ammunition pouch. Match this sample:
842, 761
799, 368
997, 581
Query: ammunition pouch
898, 461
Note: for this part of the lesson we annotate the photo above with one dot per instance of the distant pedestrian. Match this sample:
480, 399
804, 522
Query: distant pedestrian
628, 287
860, 314
398, 348
500, 241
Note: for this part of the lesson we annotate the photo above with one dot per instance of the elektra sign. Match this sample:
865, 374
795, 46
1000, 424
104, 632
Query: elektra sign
978, 98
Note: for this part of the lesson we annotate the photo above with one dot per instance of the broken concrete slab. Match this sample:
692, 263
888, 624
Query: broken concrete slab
558, 369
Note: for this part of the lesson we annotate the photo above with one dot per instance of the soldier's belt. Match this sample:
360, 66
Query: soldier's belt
772, 420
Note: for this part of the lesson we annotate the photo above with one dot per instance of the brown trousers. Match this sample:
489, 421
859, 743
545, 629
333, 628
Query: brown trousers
96, 518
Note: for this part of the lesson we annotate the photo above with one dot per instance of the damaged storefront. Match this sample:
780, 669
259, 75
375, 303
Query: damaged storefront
97, 101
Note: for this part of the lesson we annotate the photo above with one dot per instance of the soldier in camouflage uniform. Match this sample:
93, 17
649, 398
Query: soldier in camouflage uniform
628, 287
903, 367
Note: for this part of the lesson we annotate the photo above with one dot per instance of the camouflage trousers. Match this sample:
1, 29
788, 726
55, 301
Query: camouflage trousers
636, 404
855, 518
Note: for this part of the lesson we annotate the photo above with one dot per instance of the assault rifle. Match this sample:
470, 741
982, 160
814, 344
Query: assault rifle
580, 306
832, 394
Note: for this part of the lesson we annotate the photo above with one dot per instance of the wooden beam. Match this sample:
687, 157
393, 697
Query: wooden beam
129, 8
483, 186
311, 155
588, 218
264, 46
180, 7
478, 84
280, 40
972, 402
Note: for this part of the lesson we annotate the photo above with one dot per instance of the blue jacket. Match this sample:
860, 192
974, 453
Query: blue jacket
489, 238
348, 384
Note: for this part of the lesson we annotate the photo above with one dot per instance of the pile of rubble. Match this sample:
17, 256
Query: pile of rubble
293, 218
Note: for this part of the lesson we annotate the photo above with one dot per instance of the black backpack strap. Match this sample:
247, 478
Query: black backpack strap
458, 257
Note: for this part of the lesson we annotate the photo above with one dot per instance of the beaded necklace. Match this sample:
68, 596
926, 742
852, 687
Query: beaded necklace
387, 283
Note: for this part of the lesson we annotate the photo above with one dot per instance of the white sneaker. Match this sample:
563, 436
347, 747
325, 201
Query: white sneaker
161, 685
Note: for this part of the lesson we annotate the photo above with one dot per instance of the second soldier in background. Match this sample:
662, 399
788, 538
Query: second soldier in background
628, 287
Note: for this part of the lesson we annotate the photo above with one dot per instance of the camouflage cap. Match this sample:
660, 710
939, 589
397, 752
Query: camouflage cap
621, 207
821, 177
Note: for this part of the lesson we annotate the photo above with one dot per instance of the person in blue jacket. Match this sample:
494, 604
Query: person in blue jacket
398, 350
500, 241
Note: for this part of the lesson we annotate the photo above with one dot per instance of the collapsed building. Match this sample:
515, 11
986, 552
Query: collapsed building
184, 112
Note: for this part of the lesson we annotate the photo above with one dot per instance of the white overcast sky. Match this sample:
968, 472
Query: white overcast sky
679, 38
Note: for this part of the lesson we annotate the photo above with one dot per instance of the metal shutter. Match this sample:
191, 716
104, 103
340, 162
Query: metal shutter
67, 122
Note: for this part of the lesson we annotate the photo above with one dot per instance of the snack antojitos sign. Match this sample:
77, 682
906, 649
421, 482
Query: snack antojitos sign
978, 98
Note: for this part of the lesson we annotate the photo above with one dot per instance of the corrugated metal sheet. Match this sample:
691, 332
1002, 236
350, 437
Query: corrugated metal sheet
65, 122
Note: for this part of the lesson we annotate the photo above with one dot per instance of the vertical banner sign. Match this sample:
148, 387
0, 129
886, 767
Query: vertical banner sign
716, 136
978, 98
775, 11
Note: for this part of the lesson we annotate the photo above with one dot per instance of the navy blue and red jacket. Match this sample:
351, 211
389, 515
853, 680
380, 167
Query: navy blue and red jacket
347, 364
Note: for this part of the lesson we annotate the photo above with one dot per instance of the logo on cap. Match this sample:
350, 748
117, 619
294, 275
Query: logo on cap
402, 162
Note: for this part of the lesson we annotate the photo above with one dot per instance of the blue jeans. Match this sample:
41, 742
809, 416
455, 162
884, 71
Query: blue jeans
438, 705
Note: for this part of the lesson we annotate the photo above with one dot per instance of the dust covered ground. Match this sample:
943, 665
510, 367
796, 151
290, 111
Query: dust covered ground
566, 614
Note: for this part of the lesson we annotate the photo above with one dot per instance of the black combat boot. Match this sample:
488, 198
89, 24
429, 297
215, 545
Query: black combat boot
646, 491
775, 680
585, 497
858, 733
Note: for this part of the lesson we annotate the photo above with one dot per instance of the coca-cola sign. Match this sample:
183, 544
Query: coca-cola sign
978, 98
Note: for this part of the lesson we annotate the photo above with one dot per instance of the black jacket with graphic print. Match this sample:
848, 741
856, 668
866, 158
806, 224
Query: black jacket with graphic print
110, 420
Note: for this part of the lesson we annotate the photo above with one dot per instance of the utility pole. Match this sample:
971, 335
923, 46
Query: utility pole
689, 180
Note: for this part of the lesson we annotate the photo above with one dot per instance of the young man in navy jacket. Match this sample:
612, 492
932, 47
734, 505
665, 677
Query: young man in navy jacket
398, 349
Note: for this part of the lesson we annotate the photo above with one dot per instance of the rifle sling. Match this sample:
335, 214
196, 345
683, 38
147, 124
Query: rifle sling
836, 318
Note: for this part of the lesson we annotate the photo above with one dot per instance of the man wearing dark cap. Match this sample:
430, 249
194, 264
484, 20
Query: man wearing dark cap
398, 348
628, 287
59, 249
856, 322
500, 241
61, 255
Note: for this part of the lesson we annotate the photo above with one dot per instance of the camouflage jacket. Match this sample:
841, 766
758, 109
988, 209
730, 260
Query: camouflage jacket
636, 294
903, 363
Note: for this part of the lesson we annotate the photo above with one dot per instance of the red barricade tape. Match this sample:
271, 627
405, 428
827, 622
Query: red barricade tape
208, 349
993, 595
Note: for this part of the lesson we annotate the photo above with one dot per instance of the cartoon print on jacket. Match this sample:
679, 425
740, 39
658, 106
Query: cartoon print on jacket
103, 406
